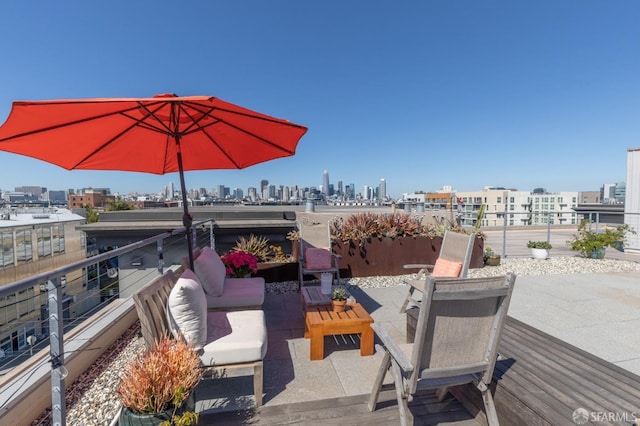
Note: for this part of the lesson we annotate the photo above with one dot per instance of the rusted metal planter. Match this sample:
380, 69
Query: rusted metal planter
385, 256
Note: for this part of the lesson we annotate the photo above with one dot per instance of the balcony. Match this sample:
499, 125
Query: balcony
338, 383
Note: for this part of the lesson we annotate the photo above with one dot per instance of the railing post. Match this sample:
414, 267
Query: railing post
56, 350
504, 225
160, 257
212, 237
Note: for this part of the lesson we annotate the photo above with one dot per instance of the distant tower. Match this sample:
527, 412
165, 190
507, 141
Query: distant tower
263, 188
325, 183
382, 190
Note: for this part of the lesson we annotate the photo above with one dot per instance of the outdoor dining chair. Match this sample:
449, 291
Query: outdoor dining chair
459, 325
453, 261
315, 254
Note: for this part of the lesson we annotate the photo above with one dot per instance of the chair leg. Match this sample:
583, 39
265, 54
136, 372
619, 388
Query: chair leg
403, 308
377, 385
441, 393
406, 418
489, 406
258, 370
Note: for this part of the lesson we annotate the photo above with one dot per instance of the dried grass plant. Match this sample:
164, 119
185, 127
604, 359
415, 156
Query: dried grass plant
161, 378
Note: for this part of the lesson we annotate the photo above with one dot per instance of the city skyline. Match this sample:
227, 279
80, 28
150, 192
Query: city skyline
261, 192
422, 94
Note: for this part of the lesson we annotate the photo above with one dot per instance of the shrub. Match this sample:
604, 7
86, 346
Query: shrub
539, 245
161, 378
586, 241
257, 246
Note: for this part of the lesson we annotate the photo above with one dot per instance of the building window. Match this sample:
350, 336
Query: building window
44, 241
23, 246
6, 249
57, 238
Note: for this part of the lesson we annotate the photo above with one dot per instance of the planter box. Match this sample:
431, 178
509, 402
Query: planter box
386, 256
278, 272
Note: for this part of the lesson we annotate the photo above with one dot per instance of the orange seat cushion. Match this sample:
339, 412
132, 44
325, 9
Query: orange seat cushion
446, 268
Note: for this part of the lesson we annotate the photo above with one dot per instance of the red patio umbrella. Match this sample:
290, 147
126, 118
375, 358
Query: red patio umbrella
158, 135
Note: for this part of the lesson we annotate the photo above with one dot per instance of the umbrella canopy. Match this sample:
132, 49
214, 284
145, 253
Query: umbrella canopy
159, 135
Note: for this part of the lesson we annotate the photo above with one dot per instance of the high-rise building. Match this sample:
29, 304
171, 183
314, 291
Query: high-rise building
382, 190
325, 183
252, 193
263, 189
366, 192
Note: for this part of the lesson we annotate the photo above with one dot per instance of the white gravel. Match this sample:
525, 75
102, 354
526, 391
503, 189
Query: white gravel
92, 400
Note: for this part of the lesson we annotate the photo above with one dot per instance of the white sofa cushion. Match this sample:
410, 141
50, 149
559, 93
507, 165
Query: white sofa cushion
187, 310
239, 293
210, 271
235, 337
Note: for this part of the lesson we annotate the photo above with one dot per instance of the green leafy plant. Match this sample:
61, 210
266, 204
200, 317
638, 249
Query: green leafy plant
339, 294
160, 379
586, 241
489, 253
539, 245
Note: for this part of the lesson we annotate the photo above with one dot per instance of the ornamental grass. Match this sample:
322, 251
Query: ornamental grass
161, 378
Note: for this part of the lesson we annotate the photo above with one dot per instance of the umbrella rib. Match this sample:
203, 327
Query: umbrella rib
219, 120
135, 122
61, 125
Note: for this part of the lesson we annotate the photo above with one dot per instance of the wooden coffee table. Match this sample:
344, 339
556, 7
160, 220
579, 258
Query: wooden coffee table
321, 321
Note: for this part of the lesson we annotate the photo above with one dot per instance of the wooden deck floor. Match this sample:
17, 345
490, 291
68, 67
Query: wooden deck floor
350, 410
542, 381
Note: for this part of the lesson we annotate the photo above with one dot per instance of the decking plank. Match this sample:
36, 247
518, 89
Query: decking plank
426, 409
592, 384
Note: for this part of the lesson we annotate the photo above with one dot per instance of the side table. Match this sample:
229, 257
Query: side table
321, 321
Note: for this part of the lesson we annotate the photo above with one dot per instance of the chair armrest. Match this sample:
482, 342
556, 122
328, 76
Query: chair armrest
417, 284
393, 348
417, 266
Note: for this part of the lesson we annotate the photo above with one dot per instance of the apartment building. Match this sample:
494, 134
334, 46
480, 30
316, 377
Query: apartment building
34, 241
519, 207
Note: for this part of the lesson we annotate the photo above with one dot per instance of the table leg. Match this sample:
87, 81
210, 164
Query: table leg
317, 342
366, 341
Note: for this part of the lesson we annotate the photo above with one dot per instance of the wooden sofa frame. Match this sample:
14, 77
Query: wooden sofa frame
151, 301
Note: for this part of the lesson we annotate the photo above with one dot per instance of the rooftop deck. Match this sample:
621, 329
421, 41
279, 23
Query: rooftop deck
541, 377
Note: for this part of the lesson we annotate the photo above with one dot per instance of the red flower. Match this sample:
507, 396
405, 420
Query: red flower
240, 264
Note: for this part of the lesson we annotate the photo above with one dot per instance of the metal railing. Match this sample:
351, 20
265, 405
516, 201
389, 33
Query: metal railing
54, 290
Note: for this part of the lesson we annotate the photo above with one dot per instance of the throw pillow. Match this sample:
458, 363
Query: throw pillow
210, 271
317, 258
187, 310
446, 268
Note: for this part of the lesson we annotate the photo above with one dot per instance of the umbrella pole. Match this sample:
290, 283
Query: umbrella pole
187, 220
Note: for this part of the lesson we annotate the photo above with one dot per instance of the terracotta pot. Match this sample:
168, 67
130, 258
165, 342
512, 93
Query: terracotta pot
338, 305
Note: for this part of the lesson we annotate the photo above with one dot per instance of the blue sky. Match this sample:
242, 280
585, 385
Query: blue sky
423, 94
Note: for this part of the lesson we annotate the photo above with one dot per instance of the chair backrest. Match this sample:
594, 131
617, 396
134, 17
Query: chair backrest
459, 326
457, 247
151, 306
313, 231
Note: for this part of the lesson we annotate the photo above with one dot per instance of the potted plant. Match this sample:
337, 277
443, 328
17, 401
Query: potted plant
539, 249
592, 244
490, 257
339, 299
154, 386
240, 264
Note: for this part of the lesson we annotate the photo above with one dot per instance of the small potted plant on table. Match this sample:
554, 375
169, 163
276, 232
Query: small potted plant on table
339, 299
539, 249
